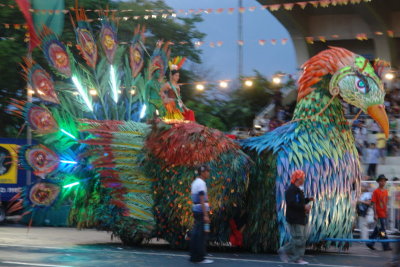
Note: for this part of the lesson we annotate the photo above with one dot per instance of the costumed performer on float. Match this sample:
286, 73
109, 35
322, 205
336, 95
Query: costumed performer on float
171, 94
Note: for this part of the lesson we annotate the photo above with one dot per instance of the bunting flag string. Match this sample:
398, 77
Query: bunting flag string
261, 42
173, 13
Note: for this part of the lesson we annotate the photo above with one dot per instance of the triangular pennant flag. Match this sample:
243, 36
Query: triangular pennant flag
252, 8
240, 42
390, 33
274, 7
242, 9
219, 43
310, 40
198, 43
284, 41
209, 10
302, 4
261, 42
314, 3
231, 10
322, 38
273, 41
219, 10
325, 3
361, 37
212, 45
288, 6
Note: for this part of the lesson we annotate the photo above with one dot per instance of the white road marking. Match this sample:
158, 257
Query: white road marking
186, 256
33, 264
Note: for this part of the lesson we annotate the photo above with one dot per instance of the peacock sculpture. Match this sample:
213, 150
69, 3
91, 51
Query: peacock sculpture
319, 141
104, 145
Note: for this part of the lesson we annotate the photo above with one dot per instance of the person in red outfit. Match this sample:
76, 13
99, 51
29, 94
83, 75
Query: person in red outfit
379, 201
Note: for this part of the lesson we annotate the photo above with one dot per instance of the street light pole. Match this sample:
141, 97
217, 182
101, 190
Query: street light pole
240, 38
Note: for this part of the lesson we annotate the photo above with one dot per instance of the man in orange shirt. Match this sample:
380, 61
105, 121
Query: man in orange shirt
379, 200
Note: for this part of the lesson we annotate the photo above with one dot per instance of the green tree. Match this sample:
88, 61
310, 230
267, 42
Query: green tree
11, 50
238, 107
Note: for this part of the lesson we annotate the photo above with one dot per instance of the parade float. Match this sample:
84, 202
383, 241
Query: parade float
117, 144
319, 141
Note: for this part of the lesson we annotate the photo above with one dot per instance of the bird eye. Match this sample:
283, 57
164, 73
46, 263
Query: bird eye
361, 85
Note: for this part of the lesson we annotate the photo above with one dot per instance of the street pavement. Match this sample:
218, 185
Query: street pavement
50, 246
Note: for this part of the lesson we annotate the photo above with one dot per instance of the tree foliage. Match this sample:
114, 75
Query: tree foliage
239, 107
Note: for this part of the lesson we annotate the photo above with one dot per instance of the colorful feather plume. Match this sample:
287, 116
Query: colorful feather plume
39, 158
176, 145
84, 38
108, 39
176, 63
40, 119
136, 51
56, 53
40, 81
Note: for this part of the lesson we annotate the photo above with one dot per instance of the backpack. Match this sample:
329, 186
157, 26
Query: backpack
362, 209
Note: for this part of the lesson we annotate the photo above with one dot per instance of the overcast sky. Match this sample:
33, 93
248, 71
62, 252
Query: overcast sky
259, 24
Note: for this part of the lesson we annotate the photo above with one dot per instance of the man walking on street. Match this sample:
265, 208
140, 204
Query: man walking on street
201, 218
297, 208
379, 201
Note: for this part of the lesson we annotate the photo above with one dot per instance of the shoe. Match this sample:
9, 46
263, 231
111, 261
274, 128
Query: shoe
206, 261
302, 262
283, 256
370, 246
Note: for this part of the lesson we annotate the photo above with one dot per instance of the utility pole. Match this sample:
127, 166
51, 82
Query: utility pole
240, 39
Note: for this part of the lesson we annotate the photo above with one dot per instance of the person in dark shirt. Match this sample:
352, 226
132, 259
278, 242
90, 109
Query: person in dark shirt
297, 208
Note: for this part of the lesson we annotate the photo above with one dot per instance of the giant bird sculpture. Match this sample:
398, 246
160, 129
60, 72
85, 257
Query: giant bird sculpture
97, 147
319, 141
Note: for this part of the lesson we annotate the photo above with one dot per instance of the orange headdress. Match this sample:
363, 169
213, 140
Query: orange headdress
298, 174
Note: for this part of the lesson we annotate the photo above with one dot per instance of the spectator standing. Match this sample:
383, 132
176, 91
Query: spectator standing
360, 136
201, 218
379, 201
381, 145
297, 208
363, 205
393, 145
372, 159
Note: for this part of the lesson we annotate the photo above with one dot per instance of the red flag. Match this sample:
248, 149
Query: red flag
24, 6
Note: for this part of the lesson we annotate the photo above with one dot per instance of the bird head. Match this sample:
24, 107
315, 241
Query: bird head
358, 84
352, 77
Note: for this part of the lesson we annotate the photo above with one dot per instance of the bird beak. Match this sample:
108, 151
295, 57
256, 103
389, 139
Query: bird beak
378, 113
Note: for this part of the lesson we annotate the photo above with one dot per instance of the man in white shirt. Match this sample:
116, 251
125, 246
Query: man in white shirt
201, 218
